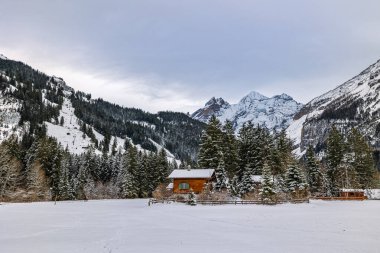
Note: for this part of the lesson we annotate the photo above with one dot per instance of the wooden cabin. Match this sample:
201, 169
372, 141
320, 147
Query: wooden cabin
354, 194
188, 180
347, 194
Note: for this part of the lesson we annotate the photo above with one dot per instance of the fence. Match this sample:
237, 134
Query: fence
230, 202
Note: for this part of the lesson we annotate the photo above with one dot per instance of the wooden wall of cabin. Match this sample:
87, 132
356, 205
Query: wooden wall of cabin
196, 184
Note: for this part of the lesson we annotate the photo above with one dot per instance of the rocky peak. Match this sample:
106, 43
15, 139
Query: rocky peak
283, 96
253, 96
217, 101
275, 112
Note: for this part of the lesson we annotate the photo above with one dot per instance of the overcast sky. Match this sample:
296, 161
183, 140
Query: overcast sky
176, 54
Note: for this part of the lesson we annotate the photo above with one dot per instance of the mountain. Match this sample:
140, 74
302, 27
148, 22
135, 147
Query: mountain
275, 112
355, 103
33, 103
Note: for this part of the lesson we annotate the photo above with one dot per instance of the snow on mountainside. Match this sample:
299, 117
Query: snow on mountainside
66, 128
9, 117
69, 134
355, 103
275, 112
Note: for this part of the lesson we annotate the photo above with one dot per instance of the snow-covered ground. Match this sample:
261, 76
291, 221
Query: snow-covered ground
132, 226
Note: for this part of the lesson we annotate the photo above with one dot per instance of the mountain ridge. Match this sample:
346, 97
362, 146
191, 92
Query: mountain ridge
354, 103
31, 101
274, 112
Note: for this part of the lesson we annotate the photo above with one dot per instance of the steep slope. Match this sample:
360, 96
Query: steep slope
355, 103
33, 103
275, 113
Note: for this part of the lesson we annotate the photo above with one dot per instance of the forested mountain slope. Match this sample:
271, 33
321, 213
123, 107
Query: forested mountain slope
355, 103
33, 103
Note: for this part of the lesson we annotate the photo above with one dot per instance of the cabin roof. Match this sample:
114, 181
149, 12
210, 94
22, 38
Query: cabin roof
351, 190
257, 178
192, 173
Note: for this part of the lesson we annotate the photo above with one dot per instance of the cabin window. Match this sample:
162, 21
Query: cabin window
184, 186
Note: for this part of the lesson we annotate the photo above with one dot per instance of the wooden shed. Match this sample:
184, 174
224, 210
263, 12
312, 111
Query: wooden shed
354, 194
188, 180
347, 194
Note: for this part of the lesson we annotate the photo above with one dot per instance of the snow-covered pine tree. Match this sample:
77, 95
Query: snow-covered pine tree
295, 181
192, 199
313, 171
9, 171
125, 179
267, 191
221, 176
104, 169
246, 182
114, 147
82, 180
64, 183
234, 187
210, 146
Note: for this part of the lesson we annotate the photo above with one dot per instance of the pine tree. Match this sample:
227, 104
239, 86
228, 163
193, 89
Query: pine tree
246, 182
314, 174
125, 182
230, 149
9, 171
192, 199
82, 181
132, 176
362, 159
295, 181
62, 121
64, 184
114, 146
221, 176
274, 162
234, 187
245, 149
162, 166
285, 148
335, 153
140, 175
210, 146
267, 192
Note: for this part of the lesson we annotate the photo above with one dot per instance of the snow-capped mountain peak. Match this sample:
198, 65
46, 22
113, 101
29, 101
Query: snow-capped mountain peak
275, 112
253, 96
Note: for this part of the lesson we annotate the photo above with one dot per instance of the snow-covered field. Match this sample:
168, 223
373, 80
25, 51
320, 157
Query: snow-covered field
132, 226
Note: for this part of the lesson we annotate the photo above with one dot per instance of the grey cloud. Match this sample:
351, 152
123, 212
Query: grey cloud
194, 49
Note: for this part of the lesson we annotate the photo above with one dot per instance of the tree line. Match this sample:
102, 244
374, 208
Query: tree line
46, 171
255, 150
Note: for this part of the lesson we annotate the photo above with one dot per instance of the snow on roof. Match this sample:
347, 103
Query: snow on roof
351, 190
170, 186
257, 178
194, 173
